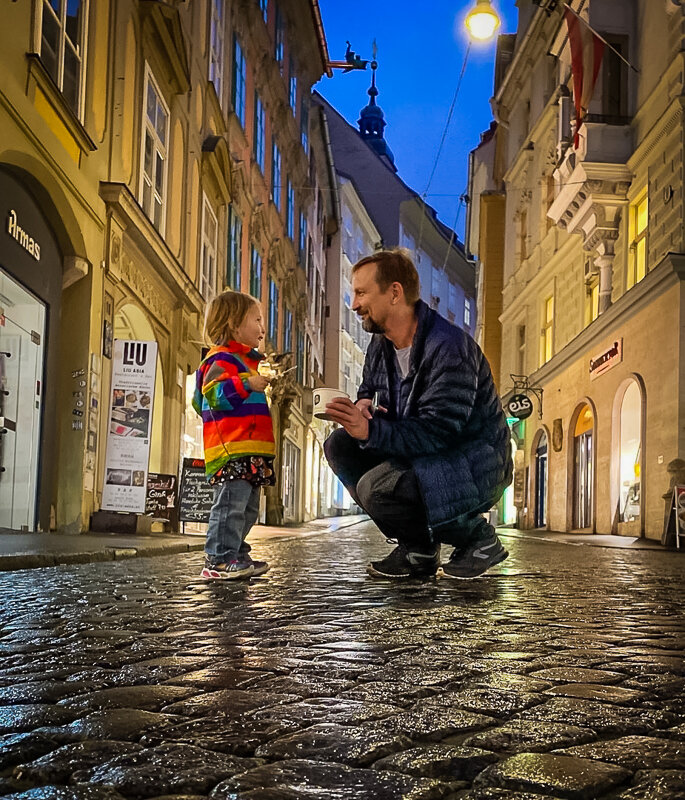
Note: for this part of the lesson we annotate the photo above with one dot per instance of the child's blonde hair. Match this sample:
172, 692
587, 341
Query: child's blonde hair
225, 314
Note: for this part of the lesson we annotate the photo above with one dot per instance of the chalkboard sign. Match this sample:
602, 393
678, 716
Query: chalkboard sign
197, 496
160, 498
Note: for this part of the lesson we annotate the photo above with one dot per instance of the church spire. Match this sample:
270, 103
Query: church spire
372, 120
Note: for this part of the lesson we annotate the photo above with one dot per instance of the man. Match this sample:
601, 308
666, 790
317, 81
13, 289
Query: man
425, 449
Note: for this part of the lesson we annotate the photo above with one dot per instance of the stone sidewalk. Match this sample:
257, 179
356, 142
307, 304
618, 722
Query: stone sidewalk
558, 675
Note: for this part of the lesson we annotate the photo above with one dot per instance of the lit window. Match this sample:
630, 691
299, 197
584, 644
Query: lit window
639, 219
290, 210
256, 274
279, 39
547, 331
258, 132
591, 301
272, 319
467, 312
304, 123
63, 35
216, 47
287, 330
263, 7
208, 273
238, 95
234, 250
293, 87
300, 356
302, 243
276, 188
155, 148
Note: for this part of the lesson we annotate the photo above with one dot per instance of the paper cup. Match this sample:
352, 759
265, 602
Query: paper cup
324, 396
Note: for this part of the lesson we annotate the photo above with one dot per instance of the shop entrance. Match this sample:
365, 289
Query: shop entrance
541, 482
22, 353
583, 441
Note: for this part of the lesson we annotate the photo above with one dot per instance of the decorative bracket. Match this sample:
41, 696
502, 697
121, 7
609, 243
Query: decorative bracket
522, 384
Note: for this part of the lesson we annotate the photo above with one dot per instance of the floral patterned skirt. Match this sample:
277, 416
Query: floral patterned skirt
257, 470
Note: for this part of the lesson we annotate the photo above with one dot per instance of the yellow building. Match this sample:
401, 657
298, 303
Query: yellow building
594, 258
151, 155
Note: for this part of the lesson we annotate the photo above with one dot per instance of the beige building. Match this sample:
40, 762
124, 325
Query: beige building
592, 300
152, 154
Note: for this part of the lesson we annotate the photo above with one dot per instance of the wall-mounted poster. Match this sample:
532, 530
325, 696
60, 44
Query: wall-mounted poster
134, 365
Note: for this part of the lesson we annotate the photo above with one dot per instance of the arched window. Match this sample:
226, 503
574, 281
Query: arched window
630, 454
583, 479
540, 455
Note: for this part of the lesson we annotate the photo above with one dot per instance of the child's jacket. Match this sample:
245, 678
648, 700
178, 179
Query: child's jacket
236, 420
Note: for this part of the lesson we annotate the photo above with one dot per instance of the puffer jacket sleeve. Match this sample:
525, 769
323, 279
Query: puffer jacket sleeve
367, 388
443, 409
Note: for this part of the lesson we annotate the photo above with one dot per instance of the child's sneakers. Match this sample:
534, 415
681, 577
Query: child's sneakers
260, 567
231, 570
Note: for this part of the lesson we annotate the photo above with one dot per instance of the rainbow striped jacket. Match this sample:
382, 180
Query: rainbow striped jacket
236, 420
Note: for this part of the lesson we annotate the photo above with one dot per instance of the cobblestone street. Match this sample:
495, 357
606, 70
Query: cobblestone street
560, 674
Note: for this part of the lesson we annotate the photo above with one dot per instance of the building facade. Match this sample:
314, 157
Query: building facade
152, 154
592, 301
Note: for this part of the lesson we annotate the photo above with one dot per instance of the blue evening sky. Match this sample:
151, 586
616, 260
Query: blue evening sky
421, 48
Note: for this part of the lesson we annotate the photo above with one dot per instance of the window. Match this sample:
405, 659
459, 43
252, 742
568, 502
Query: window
630, 454
256, 274
287, 330
272, 318
208, 273
279, 39
216, 47
615, 80
523, 236
452, 298
290, 210
638, 224
276, 188
263, 7
233, 249
304, 123
155, 145
467, 312
521, 355
258, 133
300, 356
547, 330
591, 301
238, 96
436, 276
302, 239
293, 88
63, 36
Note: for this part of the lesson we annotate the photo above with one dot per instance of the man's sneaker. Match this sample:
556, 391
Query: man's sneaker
403, 564
474, 559
228, 571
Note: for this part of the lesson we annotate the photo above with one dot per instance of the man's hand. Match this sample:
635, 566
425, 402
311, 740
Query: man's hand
350, 416
365, 405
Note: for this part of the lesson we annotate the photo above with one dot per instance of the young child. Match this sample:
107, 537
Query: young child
237, 431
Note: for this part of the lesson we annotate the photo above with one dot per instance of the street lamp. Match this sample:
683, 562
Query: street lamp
482, 21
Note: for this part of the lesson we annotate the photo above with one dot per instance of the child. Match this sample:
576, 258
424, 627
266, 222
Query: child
237, 431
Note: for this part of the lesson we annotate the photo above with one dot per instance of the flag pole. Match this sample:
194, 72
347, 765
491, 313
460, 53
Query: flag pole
601, 38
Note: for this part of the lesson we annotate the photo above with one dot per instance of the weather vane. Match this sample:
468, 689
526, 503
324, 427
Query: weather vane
353, 61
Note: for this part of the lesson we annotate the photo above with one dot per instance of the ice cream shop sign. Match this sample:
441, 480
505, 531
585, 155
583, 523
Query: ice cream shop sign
21, 236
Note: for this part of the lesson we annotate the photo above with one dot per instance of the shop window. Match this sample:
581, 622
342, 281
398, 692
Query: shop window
272, 318
276, 187
256, 274
547, 330
290, 209
234, 249
238, 89
63, 37
208, 273
630, 453
155, 153
583, 472
638, 226
216, 47
258, 146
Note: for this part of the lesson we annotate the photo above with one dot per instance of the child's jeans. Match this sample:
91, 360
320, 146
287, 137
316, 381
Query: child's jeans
235, 511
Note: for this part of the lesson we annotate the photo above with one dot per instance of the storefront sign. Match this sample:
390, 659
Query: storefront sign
134, 366
160, 501
605, 361
520, 406
19, 234
197, 496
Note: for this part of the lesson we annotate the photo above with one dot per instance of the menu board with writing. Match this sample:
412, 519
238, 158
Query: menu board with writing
197, 496
160, 501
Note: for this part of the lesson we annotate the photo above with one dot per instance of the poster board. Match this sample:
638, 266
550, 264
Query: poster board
675, 521
134, 368
197, 496
161, 500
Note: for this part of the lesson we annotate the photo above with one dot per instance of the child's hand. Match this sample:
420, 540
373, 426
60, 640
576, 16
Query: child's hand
258, 382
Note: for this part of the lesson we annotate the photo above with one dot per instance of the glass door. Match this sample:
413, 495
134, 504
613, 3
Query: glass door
541, 483
22, 345
584, 479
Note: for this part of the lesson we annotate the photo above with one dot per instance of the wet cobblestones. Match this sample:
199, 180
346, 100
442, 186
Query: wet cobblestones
559, 675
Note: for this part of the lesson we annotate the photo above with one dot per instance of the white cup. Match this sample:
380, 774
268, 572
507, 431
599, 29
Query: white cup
324, 396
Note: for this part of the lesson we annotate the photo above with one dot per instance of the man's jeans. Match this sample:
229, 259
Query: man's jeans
235, 511
388, 490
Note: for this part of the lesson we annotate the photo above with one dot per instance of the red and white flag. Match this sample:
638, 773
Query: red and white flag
587, 50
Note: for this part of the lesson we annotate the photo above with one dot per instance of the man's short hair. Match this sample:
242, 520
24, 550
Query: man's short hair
394, 266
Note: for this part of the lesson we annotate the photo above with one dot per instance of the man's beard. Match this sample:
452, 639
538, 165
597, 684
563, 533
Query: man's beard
371, 326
